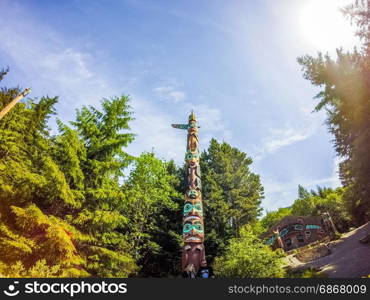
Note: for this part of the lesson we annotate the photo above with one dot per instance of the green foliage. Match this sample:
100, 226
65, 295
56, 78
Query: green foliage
26, 169
40, 269
314, 203
337, 236
273, 217
231, 193
103, 135
93, 160
304, 273
345, 97
107, 263
67, 209
358, 13
62, 203
247, 257
14, 246
37, 242
70, 152
154, 215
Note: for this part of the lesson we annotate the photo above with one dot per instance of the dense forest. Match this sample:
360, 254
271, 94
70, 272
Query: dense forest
68, 209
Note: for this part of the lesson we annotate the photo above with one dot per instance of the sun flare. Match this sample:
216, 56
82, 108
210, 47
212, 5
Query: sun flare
323, 25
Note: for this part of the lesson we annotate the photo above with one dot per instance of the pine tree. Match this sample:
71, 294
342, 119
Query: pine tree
231, 192
31, 240
345, 96
92, 156
154, 215
61, 199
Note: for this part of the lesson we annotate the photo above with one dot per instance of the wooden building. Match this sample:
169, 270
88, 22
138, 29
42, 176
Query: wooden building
296, 231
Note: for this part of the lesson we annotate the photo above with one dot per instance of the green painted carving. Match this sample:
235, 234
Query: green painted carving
309, 226
192, 194
180, 126
193, 253
193, 208
197, 226
193, 125
191, 155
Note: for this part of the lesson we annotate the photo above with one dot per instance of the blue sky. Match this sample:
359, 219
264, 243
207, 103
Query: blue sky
233, 62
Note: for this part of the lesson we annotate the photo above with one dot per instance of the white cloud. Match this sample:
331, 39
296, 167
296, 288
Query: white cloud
277, 138
50, 67
170, 93
211, 122
285, 137
68, 58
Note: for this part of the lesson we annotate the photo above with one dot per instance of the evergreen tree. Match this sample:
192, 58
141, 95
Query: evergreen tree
315, 203
62, 204
231, 192
154, 215
345, 96
31, 240
93, 158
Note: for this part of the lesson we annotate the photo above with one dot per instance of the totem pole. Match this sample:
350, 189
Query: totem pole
193, 252
329, 224
278, 239
14, 102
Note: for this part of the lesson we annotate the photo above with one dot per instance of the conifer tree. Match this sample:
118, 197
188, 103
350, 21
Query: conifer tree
345, 96
30, 179
153, 210
61, 200
231, 192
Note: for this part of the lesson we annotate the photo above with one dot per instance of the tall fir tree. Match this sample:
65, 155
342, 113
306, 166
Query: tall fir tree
154, 218
61, 210
31, 241
345, 96
94, 164
232, 194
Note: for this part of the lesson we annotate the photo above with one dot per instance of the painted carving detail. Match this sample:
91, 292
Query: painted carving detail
193, 252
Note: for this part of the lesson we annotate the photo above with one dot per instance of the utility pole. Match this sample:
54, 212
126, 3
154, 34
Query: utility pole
14, 102
193, 256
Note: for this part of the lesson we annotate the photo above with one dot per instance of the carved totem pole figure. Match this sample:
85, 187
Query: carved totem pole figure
278, 238
193, 252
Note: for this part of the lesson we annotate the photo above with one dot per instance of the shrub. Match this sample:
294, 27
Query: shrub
247, 256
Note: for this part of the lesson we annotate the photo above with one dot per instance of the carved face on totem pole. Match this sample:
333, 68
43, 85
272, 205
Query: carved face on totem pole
193, 256
193, 208
193, 136
193, 229
192, 194
192, 157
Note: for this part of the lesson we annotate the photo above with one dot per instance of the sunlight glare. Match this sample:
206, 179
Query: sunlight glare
324, 26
